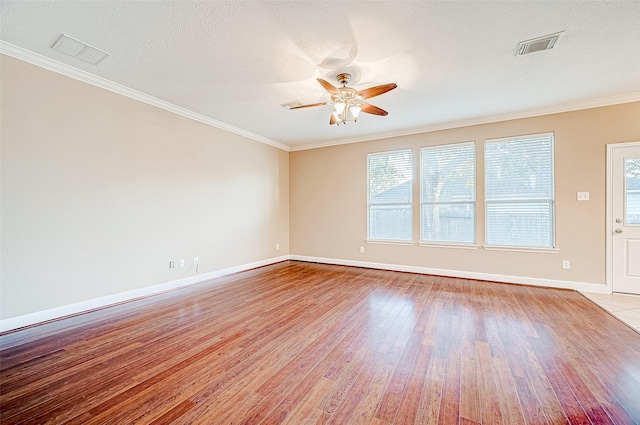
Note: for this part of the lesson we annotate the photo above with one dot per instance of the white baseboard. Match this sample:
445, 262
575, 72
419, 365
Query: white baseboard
83, 306
550, 283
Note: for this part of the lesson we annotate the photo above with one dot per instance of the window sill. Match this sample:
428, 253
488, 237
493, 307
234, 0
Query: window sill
448, 245
521, 249
385, 242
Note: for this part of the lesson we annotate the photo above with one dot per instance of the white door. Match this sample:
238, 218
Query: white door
625, 173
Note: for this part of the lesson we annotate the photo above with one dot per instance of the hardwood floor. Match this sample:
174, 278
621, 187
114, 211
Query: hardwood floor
302, 343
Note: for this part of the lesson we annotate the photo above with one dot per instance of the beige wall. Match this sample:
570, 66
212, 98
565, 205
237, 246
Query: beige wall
329, 203
100, 192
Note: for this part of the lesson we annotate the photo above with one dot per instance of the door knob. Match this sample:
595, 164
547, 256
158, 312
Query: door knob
618, 230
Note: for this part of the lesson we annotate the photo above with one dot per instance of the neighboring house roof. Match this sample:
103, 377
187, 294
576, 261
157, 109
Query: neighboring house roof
395, 195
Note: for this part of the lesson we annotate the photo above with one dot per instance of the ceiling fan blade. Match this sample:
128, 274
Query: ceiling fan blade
377, 90
328, 86
310, 105
332, 120
370, 109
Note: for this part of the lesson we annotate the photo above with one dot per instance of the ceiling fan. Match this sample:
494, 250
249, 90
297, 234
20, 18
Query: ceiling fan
348, 102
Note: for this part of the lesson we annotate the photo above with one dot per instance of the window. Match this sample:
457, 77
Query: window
632, 191
519, 191
448, 194
390, 196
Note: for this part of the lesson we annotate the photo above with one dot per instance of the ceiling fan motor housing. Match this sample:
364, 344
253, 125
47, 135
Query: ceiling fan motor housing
346, 94
344, 78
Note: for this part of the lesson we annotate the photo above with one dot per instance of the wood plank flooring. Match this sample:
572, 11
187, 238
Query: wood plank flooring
302, 343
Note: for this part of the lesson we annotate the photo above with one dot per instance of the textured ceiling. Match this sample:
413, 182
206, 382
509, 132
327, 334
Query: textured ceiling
236, 62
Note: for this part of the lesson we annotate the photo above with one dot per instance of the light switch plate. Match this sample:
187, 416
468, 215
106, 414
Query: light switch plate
583, 196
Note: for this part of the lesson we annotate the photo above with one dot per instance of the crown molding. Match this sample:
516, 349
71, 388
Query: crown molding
69, 71
78, 74
529, 113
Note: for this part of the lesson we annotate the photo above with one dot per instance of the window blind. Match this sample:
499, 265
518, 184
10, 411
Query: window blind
632, 190
390, 196
519, 191
448, 194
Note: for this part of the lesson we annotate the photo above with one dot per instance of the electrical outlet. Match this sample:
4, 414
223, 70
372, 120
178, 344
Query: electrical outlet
566, 264
361, 250
182, 262
171, 264
277, 246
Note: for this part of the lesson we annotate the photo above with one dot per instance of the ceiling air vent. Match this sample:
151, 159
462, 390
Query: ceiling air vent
78, 49
546, 42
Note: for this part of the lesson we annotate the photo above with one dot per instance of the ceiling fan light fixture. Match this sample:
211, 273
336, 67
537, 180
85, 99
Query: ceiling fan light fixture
355, 111
348, 102
337, 118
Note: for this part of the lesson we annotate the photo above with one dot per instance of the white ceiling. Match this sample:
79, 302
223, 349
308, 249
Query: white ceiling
236, 62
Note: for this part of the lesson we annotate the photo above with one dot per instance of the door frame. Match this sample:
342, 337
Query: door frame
609, 208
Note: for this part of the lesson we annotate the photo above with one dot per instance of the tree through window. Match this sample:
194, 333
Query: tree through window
448, 194
390, 196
